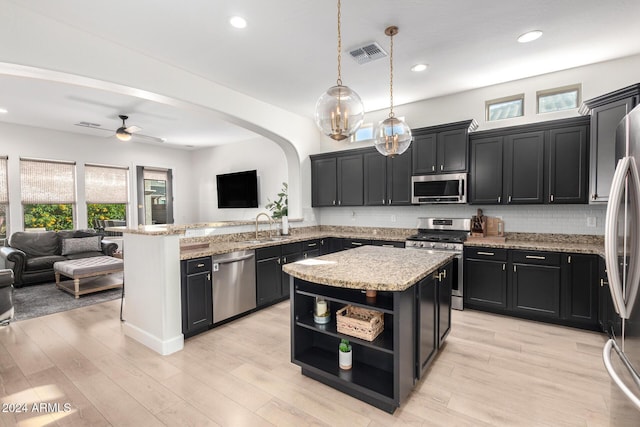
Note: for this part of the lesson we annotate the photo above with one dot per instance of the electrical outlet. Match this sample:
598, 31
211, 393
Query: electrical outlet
393, 218
591, 221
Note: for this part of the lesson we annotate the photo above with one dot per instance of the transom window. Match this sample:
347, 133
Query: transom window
505, 108
558, 99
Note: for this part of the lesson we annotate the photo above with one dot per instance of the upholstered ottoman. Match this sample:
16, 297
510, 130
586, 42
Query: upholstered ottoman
6, 296
83, 268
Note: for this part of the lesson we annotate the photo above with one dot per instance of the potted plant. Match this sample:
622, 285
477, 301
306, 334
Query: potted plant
280, 208
344, 354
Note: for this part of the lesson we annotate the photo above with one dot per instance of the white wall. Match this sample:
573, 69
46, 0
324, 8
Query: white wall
261, 154
23, 141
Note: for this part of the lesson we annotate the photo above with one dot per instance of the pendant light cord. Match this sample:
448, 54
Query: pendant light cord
339, 81
391, 113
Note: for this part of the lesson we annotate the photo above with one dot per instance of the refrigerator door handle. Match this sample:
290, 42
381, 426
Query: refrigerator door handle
606, 356
626, 166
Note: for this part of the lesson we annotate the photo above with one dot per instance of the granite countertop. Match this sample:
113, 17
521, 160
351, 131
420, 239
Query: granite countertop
369, 268
581, 244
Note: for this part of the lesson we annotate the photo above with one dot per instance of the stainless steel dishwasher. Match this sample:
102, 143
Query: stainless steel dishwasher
234, 284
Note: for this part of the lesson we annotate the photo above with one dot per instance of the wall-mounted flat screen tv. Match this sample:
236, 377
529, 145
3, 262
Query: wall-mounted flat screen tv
238, 190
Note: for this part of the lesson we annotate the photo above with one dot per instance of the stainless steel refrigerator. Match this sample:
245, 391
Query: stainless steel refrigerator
621, 354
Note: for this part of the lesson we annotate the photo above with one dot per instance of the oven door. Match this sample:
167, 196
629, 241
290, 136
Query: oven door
449, 188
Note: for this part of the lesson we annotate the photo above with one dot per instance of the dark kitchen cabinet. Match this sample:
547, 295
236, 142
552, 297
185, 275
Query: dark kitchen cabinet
387, 180
530, 164
354, 243
388, 243
535, 283
580, 289
427, 321
324, 191
196, 291
609, 321
337, 179
485, 278
445, 277
606, 112
524, 168
268, 275
441, 149
290, 252
485, 171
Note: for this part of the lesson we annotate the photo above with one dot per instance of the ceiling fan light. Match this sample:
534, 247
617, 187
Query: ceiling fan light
393, 137
123, 135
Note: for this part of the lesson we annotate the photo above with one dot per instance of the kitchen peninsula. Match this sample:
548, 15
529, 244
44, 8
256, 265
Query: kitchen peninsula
413, 292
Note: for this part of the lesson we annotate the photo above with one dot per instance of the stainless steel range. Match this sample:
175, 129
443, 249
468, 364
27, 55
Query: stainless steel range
444, 235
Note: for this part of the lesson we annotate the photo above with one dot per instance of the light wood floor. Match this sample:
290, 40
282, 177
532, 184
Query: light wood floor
493, 371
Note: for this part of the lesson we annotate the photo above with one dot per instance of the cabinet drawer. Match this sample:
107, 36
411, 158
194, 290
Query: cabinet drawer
291, 248
354, 243
388, 243
535, 257
310, 245
494, 254
198, 265
268, 252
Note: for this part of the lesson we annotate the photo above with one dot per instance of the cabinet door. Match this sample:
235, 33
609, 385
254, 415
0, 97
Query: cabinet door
287, 259
452, 151
399, 179
197, 303
568, 163
580, 294
427, 339
536, 290
604, 120
485, 180
424, 154
524, 167
324, 182
485, 283
444, 303
610, 322
268, 280
375, 179
350, 180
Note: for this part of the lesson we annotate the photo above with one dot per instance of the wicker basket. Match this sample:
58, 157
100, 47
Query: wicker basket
359, 322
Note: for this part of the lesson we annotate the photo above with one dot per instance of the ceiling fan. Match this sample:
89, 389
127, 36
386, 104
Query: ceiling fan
124, 132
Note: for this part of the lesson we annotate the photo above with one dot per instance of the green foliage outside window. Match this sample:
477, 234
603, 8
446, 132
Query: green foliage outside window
51, 217
102, 211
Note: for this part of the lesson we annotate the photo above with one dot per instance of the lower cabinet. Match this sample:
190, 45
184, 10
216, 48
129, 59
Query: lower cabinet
609, 321
268, 275
197, 305
553, 287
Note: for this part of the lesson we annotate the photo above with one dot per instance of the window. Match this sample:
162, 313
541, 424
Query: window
365, 133
558, 99
4, 198
48, 193
505, 108
106, 194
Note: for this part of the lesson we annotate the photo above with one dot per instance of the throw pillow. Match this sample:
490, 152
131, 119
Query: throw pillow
81, 244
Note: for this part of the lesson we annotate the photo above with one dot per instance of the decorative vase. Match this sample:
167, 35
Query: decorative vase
344, 359
321, 312
285, 225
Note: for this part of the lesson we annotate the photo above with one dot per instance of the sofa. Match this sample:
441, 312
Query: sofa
31, 255
6, 296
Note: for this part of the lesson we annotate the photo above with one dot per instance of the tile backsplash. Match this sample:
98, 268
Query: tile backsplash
563, 219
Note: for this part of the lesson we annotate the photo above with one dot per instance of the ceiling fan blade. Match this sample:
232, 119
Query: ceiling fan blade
132, 129
150, 138
92, 126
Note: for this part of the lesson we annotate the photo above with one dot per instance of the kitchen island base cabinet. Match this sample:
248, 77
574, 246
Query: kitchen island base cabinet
197, 306
386, 369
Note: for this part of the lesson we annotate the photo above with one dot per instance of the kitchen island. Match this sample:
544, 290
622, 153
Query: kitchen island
413, 293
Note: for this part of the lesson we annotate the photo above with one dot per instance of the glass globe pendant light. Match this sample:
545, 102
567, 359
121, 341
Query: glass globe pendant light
339, 111
393, 136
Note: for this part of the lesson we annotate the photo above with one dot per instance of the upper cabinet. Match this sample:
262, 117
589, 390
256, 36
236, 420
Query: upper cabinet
441, 149
606, 112
387, 180
337, 179
531, 164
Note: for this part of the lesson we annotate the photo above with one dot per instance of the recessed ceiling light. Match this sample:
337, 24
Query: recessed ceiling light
238, 22
419, 67
3, 111
530, 36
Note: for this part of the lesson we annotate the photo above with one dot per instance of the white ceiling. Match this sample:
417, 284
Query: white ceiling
287, 54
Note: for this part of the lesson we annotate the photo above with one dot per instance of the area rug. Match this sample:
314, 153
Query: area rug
40, 300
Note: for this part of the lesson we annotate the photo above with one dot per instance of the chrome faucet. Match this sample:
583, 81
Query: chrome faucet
270, 223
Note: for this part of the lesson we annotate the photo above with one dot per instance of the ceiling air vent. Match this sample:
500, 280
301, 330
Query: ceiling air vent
367, 53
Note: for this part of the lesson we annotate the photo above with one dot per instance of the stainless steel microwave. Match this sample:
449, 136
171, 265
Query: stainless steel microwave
444, 188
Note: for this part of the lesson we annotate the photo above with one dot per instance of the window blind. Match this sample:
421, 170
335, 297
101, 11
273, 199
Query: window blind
4, 192
155, 174
47, 182
106, 184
